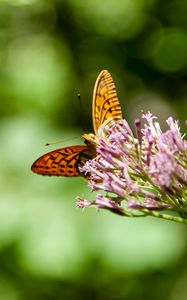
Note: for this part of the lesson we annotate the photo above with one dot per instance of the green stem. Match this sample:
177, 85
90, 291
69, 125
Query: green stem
122, 212
154, 213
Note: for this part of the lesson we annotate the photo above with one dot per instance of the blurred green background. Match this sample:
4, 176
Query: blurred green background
50, 51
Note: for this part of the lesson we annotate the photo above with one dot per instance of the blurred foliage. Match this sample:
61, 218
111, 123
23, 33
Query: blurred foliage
50, 51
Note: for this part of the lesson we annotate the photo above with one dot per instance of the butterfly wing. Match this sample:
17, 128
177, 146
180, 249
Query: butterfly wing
62, 162
105, 103
105, 111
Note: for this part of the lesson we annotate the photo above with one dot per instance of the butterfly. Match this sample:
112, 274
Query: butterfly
106, 111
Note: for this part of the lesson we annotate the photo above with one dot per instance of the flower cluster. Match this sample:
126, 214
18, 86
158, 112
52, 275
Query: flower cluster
146, 171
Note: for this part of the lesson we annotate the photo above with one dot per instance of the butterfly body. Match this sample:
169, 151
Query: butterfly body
106, 111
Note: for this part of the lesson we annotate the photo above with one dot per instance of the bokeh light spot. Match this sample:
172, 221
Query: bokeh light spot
170, 50
122, 19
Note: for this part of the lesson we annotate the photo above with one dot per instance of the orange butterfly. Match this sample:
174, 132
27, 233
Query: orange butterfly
106, 110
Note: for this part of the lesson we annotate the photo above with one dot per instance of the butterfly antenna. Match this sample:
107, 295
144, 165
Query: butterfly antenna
58, 142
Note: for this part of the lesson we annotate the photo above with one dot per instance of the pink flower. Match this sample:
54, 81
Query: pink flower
142, 172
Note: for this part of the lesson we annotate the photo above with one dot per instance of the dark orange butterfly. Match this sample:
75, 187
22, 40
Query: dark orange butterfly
106, 110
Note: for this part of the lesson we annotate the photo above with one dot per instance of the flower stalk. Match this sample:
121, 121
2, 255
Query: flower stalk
140, 175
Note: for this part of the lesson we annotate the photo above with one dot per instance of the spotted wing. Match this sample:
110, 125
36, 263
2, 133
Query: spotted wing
105, 103
62, 162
